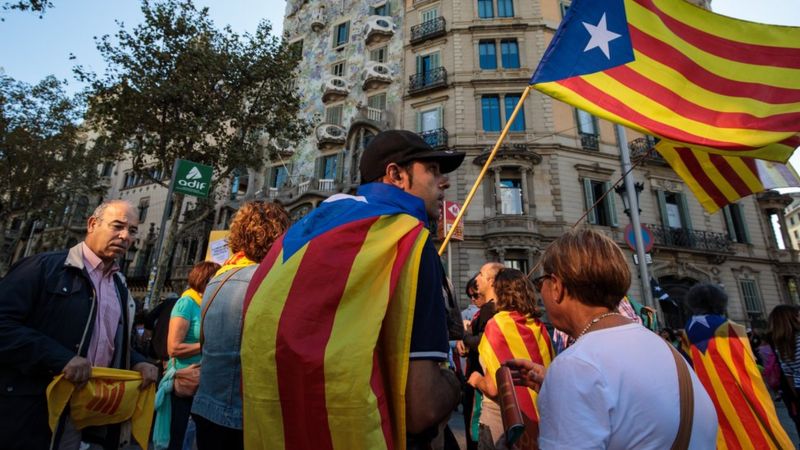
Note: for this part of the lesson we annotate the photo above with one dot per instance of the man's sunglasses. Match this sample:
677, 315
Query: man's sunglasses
539, 281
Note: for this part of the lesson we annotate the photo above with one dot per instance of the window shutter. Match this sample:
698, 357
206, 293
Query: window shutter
611, 206
686, 218
662, 208
340, 165
419, 64
319, 167
740, 212
589, 201
418, 115
726, 211
434, 60
440, 116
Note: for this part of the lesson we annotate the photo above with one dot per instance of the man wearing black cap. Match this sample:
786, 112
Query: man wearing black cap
365, 273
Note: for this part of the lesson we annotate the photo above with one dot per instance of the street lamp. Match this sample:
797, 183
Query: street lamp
620, 189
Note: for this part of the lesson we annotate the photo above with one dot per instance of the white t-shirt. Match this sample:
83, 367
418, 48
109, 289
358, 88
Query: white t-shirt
617, 388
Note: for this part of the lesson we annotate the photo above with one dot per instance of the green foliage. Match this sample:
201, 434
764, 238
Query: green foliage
39, 6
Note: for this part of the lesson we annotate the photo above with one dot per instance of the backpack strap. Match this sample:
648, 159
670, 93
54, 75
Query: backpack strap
231, 273
686, 393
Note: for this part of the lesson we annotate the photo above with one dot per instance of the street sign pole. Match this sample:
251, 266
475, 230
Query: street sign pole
622, 140
161, 233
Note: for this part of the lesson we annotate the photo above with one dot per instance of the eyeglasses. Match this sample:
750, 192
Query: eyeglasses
474, 295
539, 281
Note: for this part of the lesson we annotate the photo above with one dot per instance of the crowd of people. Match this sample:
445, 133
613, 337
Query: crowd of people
341, 331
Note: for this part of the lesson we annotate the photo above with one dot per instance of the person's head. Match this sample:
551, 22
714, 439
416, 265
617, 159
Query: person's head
587, 266
706, 298
515, 292
111, 229
201, 273
783, 325
485, 280
472, 292
403, 159
255, 227
667, 334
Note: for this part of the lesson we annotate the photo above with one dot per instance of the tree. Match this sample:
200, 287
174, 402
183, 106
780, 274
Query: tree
45, 160
39, 6
176, 87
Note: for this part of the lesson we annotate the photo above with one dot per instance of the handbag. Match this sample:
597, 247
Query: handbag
187, 380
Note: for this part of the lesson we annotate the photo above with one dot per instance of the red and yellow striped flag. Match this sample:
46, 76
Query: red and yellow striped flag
721, 356
680, 72
718, 180
510, 335
326, 335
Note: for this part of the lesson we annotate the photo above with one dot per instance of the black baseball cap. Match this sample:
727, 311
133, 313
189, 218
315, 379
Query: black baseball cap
400, 147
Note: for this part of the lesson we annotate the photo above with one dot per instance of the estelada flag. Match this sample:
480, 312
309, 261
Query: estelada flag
111, 396
671, 69
718, 180
327, 326
509, 335
723, 360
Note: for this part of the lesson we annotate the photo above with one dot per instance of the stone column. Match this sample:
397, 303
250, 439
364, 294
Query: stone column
497, 196
526, 200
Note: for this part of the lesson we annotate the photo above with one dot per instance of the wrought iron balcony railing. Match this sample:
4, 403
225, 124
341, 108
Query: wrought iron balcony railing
435, 138
428, 30
431, 79
691, 239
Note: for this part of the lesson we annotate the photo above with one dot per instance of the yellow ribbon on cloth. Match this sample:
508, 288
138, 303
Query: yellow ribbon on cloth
194, 295
237, 260
111, 396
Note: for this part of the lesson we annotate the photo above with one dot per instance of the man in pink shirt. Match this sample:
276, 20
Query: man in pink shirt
64, 312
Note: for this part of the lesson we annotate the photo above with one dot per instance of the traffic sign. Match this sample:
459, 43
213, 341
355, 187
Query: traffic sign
647, 238
192, 178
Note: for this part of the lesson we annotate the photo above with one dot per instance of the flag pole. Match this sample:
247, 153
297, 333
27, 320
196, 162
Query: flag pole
485, 168
622, 140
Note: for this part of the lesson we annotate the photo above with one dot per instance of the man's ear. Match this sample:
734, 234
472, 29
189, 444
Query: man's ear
394, 175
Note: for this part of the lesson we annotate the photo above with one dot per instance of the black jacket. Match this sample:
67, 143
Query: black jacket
47, 314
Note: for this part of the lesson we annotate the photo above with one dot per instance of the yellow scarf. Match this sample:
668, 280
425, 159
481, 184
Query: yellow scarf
194, 295
237, 260
111, 396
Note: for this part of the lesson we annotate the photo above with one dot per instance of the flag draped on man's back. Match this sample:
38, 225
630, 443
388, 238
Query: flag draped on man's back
674, 70
327, 328
723, 360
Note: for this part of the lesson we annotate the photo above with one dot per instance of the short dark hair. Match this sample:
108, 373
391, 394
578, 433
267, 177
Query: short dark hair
201, 273
472, 285
707, 298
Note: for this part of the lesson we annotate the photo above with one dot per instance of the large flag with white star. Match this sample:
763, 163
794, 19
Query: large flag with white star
679, 72
723, 361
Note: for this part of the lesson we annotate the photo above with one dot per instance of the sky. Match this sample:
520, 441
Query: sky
32, 48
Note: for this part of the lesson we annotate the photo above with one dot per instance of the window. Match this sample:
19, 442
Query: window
492, 118
490, 110
505, 8
564, 8
485, 9
752, 300
144, 205
381, 10
587, 124
734, 220
605, 213
675, 218
429, 120
341, 34
487, 54
428, 15
427, 63
511, 101
510, 53
518, 263
337, 68
378, 54
377, 101
333, 114
510, 196
327, 167
106, 170
297, 47
279, 177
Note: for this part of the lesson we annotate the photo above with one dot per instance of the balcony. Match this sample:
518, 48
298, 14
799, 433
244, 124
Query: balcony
644, 148
376, 75
589, 141
334, 88
378, 29
435, 138
329, 134
705, 241
426, 81
318, 20
326, 185
428, 30
273, 193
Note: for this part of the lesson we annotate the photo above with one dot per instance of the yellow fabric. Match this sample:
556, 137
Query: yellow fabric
111, 396
237, 260
194, 295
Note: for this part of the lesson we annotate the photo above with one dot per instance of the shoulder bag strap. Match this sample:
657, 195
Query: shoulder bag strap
231, 273
687, 402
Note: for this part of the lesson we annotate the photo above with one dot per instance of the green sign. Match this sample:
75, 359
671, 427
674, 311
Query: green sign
192, 179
